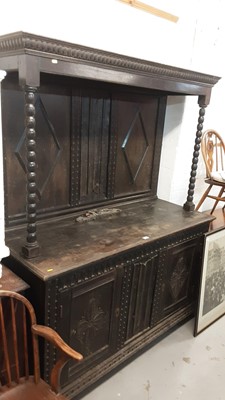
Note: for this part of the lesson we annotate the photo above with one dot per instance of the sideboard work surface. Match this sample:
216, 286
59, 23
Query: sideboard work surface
110, 266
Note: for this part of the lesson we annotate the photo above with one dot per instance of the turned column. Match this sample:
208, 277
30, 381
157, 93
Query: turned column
189, 205
31, 247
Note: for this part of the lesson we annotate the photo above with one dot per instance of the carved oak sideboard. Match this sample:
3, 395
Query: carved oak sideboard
111, 267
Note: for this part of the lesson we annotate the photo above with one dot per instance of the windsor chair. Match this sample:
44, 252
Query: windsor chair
213, 152
19, 352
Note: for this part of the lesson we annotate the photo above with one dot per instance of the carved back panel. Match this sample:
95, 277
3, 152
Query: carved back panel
96, 143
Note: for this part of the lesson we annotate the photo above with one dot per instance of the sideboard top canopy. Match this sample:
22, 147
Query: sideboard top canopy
31, 54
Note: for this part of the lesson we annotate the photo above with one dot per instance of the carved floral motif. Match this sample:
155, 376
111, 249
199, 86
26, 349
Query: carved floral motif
92, 322
178, 277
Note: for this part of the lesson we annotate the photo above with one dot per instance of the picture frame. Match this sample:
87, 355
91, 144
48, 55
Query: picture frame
211, 305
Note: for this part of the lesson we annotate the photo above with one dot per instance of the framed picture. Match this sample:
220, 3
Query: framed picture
212, 286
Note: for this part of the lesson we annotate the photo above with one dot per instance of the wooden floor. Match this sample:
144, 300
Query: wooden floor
219, 221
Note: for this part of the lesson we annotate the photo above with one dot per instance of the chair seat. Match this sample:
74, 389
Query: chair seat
218, 176
214, 182
28, 390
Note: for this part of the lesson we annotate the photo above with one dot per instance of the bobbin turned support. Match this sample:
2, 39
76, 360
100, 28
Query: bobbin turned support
189, 204
31, 247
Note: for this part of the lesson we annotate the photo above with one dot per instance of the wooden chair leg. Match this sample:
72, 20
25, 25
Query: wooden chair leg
201, 201
217, 201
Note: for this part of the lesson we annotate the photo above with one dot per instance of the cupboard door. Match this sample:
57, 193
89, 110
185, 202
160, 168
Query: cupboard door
177, 279
91, 321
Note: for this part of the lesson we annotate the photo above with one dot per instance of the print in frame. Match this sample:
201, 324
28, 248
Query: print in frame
212, 287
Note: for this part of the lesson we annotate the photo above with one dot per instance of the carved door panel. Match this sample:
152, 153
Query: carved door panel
91, 321
177, 279
137, 297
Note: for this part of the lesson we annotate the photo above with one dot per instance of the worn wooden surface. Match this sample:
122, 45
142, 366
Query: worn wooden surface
29, 390
77, 244
10, 281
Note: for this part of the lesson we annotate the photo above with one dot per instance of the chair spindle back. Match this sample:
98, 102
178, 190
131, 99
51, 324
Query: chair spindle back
18, 348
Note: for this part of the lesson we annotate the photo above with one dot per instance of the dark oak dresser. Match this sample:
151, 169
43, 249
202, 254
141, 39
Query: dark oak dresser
111, 267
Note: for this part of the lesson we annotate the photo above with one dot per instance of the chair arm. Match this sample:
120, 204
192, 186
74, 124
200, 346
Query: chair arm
66, 352
53, 337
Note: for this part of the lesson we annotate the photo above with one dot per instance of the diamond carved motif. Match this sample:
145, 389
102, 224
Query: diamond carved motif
135, 146
50, 153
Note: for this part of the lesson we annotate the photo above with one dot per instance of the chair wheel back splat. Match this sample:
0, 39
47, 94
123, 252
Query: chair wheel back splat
213, 152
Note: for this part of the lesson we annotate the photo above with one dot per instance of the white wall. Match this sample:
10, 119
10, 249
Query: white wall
109, 25
208, 56
196, 42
